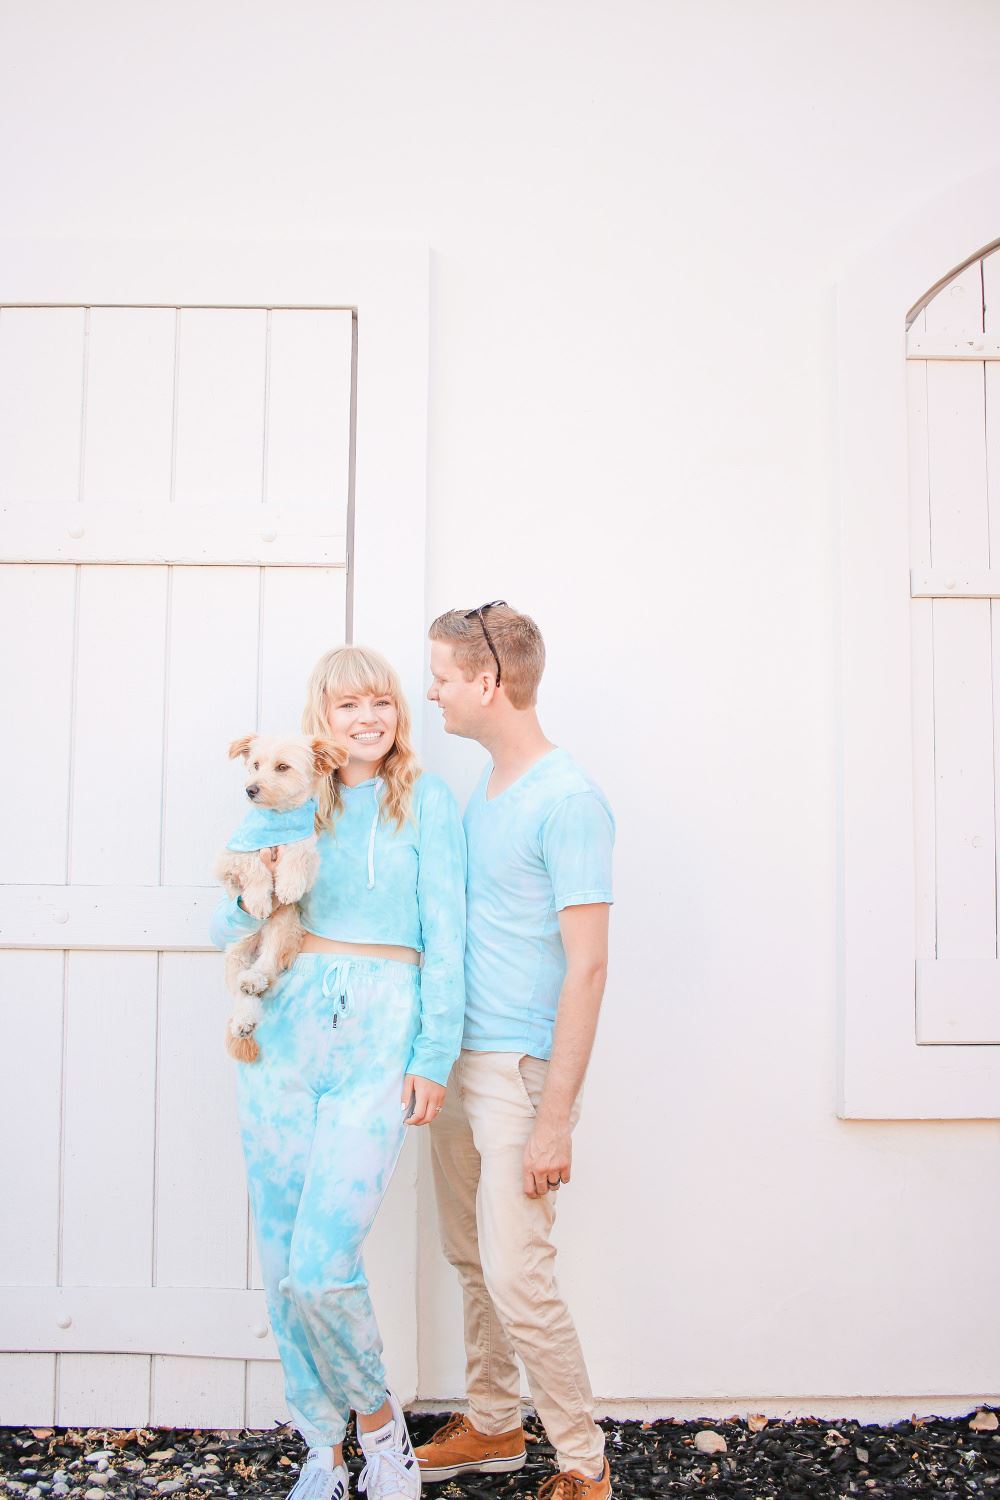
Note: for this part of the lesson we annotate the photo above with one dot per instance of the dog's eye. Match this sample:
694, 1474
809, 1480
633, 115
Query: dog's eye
256, 765
282, 767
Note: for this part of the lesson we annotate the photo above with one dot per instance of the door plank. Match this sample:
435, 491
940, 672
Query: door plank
201, 1196
128, 444
41, 404
266, 1405
303, 615
106, 916
31, 1020
27, 1390
118, 739
103, 1390
38, 701
196, 1322
309, 410
110, 1094
221, 364
211, 700
198, 1392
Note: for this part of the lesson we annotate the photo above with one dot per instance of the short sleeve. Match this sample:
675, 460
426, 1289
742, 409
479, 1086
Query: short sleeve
577, 839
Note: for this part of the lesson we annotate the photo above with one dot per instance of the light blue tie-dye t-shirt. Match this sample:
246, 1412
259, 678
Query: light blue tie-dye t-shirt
541, 845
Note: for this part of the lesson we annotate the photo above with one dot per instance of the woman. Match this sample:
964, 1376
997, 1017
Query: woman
357, 1040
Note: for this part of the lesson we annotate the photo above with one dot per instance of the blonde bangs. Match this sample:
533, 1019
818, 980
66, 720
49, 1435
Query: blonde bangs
358, 669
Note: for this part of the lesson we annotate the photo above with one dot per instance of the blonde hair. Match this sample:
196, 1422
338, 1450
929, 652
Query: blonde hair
357, 669
518, 643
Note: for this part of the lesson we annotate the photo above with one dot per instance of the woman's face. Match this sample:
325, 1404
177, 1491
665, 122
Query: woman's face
366, 724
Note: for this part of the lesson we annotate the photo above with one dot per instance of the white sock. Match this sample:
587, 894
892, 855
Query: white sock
378, 1435
321, 1457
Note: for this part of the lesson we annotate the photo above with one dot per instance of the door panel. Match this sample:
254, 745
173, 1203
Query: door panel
181, 478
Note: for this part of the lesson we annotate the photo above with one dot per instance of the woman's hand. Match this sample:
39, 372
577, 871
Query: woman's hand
427, 1099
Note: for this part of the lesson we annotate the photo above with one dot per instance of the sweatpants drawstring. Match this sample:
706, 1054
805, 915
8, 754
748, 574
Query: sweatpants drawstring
337, 986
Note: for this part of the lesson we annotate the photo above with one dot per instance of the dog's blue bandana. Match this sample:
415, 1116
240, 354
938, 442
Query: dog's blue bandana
263, 828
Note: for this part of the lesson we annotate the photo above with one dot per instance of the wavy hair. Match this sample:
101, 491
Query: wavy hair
357, 669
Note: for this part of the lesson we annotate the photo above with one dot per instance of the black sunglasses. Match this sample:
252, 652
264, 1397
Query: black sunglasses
480, 610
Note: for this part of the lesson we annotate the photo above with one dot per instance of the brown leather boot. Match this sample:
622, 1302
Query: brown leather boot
459, 1448
572, 1485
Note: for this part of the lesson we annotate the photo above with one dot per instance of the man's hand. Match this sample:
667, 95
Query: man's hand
548, 1157
549, 1152
427, 1098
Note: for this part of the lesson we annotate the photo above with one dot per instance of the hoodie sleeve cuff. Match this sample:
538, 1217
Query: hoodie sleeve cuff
431, 1063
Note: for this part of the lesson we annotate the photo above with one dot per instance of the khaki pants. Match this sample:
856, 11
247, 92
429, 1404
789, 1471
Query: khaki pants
499, 1241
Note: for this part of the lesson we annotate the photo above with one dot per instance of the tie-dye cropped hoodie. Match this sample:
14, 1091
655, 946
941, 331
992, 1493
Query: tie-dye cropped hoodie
381, 884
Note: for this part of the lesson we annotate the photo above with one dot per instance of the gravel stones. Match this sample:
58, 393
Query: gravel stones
752, 1459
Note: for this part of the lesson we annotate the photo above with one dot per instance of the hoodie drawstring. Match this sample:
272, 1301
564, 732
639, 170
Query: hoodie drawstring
371, 837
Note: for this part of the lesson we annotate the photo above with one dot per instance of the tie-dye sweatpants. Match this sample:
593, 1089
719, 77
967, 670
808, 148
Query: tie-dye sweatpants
322, 1130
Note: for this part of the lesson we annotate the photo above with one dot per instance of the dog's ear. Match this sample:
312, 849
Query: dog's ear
241, 747
327, 756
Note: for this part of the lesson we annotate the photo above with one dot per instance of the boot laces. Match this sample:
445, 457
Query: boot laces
452, 1428
563, 1487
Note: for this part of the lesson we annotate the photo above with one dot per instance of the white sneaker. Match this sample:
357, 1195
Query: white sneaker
391, 1471
317, 1482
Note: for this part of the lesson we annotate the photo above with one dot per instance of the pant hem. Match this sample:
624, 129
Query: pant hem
490, 1427
593, 1468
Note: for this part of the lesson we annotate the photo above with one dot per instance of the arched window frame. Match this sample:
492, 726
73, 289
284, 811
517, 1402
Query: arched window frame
884, 1072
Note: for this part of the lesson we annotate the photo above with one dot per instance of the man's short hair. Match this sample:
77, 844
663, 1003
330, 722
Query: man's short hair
518, 643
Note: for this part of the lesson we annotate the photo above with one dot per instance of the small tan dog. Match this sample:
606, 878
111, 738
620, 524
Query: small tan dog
283, 772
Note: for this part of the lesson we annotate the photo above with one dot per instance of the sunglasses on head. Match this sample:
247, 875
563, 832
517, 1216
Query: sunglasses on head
480, 610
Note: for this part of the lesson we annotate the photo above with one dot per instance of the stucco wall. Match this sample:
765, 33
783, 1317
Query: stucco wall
637, 214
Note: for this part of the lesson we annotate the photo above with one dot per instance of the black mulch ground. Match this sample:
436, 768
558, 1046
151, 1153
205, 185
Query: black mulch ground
933, 1457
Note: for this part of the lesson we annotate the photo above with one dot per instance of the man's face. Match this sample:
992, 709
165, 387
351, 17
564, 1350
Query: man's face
459, 700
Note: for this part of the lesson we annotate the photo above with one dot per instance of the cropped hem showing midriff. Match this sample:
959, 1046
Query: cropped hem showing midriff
400, 953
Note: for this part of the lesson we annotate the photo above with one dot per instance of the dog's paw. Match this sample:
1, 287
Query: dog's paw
289, 891
253, 982
258, 903
242, 1024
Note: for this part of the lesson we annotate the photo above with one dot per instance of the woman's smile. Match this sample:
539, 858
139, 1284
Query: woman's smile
366, 723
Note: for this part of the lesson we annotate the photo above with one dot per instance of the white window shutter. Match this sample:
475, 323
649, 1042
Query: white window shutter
918, 489
955, 528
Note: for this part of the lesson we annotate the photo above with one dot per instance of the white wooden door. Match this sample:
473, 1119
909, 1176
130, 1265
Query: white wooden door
175, 486
953, 367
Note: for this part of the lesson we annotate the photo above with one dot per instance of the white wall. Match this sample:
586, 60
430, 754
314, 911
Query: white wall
637, 214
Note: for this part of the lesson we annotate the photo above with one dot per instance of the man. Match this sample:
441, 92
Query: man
540, 835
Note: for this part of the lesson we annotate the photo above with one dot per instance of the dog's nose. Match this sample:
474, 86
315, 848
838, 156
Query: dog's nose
252, 791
